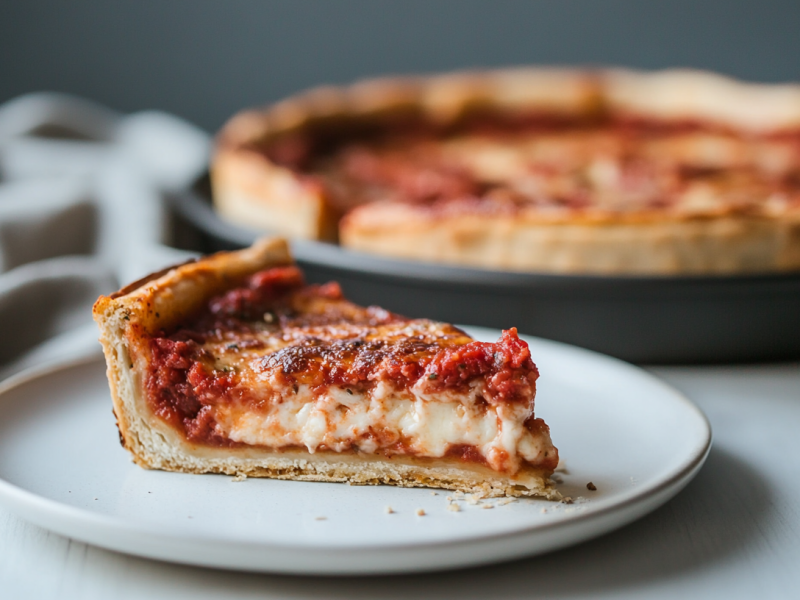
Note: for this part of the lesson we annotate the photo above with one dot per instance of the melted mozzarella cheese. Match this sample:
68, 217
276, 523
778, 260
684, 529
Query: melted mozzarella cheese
339, 420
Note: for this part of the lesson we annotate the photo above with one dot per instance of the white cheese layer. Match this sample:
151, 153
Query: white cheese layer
340, 419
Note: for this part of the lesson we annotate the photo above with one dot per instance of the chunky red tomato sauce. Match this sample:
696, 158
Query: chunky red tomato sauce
263, 289
182, 391
507, 366
323, 341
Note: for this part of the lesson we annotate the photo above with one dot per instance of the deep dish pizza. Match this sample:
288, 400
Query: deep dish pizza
531, 169
233, 364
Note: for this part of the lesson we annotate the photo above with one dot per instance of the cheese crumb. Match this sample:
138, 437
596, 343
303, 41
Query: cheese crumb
434, 493
472, 499
505, 501
389, 510
239, 477
320, 518
453, 507
420, 512
487, 505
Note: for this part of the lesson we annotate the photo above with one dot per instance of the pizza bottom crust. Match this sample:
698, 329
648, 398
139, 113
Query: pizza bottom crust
358, 469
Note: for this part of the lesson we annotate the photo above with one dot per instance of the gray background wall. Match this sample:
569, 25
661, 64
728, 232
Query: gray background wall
205, 59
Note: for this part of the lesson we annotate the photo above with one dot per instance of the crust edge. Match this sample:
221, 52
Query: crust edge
724, 245
156, 302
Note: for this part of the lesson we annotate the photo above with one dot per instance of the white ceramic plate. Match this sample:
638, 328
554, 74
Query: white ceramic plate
61, 467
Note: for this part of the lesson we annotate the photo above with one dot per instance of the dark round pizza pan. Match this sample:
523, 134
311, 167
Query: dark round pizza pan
652, 320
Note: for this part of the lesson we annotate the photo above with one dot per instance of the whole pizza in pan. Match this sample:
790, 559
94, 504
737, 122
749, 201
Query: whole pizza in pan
564, 171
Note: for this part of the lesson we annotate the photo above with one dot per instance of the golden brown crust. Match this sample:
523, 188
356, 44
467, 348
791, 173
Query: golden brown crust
684, 94
160, 300
261, 195
357, 469
440, 98
705, 239
727, 244
156, 302
130, 317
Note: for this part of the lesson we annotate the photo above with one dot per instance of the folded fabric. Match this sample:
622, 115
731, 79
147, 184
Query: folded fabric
45, 300
82, 211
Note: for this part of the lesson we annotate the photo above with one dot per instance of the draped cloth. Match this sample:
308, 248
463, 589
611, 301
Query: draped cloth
82, 211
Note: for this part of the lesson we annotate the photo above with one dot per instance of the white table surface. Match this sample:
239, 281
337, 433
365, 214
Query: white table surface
734, 532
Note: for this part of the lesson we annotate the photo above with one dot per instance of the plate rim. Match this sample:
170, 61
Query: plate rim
25, 502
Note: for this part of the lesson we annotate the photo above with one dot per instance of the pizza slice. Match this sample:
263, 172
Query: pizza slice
232, 364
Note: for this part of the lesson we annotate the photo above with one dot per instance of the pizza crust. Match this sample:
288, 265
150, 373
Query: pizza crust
253, 191
128, 317
161, 301
684, 94
695, 242
726, 245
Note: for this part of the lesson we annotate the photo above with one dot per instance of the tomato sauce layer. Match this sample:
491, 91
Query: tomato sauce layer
499, 164
276, 329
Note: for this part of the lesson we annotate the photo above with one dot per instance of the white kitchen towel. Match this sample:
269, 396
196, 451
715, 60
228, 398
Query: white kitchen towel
82, 211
